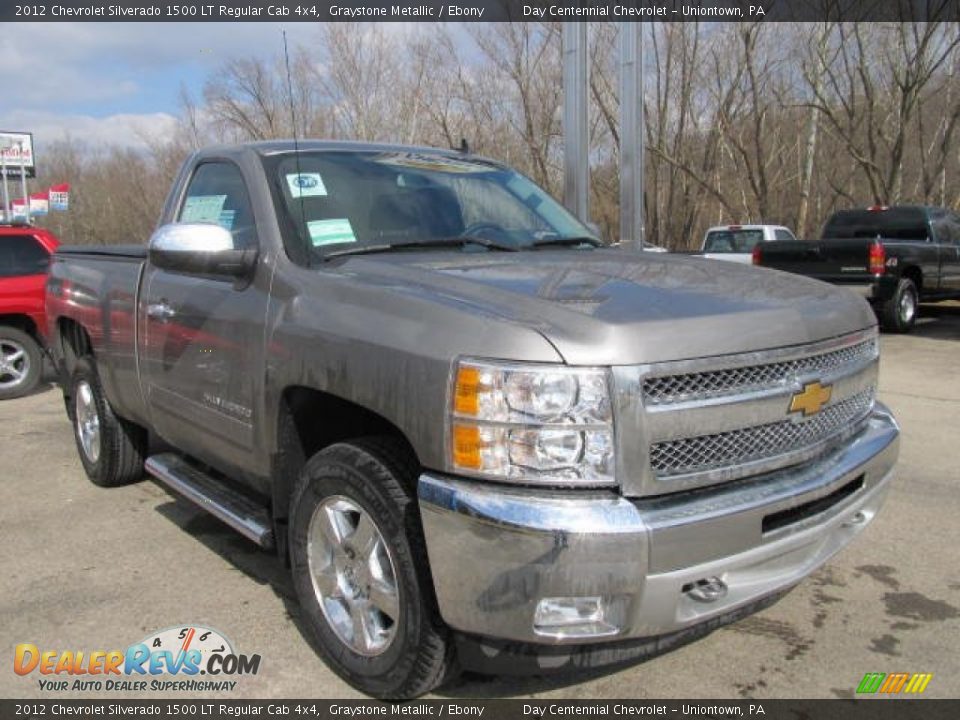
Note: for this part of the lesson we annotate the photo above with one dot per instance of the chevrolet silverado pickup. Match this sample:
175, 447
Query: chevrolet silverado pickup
479, 438
895, 257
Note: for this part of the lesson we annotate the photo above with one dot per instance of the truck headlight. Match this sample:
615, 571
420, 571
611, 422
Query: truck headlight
540, 424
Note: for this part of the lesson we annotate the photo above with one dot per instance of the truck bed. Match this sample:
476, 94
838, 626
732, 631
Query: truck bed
837, 260
96, 287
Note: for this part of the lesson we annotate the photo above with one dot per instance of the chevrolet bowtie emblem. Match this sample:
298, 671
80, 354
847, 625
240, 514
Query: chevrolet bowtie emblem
811, 399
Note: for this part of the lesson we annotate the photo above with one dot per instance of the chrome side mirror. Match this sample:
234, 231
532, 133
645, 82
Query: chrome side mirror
199, 248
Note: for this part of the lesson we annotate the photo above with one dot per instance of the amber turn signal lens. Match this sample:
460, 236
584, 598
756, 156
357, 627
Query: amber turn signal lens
467, 392
466, 446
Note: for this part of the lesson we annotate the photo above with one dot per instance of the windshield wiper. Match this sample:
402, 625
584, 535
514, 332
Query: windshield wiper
456, 241
566, 241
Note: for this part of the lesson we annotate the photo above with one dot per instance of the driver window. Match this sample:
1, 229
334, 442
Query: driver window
953, 220
217, 194
943, 232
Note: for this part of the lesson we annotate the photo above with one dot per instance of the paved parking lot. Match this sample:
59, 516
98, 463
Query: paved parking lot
93, 569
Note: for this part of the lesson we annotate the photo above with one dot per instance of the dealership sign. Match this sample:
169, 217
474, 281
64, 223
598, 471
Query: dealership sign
16, 152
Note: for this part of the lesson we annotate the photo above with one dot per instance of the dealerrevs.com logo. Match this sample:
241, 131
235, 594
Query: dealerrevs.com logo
168, 660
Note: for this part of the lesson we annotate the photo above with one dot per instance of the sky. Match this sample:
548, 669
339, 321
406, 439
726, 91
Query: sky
118, 82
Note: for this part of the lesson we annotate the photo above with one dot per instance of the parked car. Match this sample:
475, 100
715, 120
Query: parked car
895, 257
736, 242
481, 439
24, 256
650, 247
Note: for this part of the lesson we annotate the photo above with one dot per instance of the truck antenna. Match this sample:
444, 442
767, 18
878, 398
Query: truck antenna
296, 143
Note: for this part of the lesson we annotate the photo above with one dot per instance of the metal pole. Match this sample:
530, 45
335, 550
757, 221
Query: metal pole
632, 135
23, 185
576, 161
6, 190
5, 144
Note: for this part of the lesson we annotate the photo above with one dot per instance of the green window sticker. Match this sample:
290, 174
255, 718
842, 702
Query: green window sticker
203, 209
306, 185
331, 232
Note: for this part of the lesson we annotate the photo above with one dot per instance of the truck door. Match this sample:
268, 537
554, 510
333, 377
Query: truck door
202, 336
950, 255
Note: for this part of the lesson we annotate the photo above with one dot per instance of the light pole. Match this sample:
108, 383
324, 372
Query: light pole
631, 135
576, 151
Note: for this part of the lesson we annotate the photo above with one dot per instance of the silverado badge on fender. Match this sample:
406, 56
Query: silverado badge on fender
811, 399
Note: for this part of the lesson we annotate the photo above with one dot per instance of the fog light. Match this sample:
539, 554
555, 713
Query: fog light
572, 617
707, 590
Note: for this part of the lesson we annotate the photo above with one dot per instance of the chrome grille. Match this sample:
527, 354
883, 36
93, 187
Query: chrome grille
706, 452
738, 380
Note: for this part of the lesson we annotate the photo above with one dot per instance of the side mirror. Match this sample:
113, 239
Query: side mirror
200, 248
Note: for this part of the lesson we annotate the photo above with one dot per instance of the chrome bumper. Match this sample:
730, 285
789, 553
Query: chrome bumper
496, 552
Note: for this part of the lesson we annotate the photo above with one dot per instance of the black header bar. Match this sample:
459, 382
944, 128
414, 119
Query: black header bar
456, 709
477, 10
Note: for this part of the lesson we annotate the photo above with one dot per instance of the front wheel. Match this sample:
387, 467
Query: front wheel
899, 313
111, 449
360, 571
21, 363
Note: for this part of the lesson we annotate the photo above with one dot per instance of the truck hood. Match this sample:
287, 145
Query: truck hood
615, 307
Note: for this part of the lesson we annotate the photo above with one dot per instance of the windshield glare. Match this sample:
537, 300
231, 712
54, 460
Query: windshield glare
338, 200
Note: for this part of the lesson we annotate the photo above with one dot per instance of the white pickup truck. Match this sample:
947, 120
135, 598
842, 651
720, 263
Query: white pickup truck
736, 242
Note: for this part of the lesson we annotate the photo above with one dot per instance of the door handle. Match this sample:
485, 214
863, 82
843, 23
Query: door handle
160, 311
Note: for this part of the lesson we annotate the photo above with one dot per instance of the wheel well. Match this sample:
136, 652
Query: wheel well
913, 273
21, 322
310, 420
74, 343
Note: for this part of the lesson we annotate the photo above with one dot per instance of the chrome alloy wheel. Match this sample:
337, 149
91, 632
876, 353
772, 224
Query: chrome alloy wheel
14, 364
88, 421
353, 576
908, 307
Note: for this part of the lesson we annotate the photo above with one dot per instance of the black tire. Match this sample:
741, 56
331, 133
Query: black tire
376, 475
899, 313
21, 363
122, 445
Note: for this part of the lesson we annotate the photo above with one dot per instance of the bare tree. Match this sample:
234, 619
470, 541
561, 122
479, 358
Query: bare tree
875, 77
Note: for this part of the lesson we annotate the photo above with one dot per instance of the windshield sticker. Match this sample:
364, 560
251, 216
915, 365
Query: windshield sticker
331, 232
203, 209
438, 163
306, 185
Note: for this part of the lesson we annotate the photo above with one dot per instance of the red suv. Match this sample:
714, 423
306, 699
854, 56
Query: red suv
24, 256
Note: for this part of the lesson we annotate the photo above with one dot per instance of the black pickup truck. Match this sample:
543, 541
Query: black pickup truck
893, 256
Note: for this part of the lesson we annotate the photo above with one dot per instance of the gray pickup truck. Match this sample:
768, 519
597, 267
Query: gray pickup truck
479, 438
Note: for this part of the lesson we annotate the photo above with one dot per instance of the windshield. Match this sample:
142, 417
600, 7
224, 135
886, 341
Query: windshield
893, 223
337, 201
732, 241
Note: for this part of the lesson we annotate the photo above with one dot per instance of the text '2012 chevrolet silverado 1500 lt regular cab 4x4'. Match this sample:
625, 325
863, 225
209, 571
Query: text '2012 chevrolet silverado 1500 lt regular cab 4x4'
479, 438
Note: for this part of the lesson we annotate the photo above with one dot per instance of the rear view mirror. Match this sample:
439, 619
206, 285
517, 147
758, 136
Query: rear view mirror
200, 248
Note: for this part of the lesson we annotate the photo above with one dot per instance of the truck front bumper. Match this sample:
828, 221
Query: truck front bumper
561, 568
